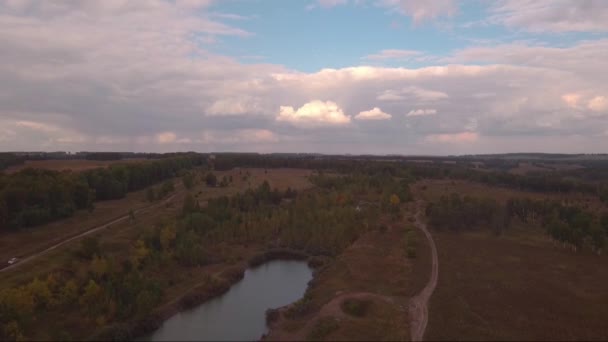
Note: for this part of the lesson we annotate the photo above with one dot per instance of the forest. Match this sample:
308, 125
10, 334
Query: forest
33, 197
105, 292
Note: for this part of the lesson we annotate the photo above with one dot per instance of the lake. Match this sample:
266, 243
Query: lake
240, 313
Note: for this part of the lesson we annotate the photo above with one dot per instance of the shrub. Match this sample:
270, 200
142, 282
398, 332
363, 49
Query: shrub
355, 307
321, 329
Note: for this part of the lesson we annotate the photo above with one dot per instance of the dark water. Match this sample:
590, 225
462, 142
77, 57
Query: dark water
240, 314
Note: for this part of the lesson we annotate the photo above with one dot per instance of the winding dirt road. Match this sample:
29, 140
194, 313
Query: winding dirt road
81, 235
419, 313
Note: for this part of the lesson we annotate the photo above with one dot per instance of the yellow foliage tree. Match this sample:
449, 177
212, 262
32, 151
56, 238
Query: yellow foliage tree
69, 292
141, 253
99, 266
40, 292
167, 236
395, 200
92, 295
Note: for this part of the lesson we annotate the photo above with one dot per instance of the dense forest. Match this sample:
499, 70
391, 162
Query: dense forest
569, 224
32, 196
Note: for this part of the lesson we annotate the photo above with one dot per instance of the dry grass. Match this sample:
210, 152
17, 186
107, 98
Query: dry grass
375, 268
72, 164
519, 286
494, 288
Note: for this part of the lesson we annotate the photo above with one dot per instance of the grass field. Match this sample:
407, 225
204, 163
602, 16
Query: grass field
493, 288
70, 164
374, 270
518, 286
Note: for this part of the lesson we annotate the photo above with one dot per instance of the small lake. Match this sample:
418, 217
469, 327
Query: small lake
240, 313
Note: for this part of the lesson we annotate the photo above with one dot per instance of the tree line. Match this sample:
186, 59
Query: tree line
568, 224
33, 197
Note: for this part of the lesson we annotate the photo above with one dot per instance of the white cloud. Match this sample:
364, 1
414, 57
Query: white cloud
417, 93
551, 15
571, 99
236, 106
314, 113
392, 54
373, 114
422, 10
462, 137
166, 137
422, 112
598, 104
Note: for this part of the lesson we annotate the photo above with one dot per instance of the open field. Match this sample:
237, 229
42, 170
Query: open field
494, 288
69, 164
374, 270
517, 286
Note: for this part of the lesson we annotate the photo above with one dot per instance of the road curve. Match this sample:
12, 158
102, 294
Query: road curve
83, 234
418, 308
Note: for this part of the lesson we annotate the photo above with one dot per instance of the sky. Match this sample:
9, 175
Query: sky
324, 76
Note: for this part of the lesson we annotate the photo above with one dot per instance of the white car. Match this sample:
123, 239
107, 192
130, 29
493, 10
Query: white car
13, 261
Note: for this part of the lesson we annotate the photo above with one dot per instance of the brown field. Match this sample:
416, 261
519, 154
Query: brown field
73, 164
518, 286
27, 242
373, 269
495, 288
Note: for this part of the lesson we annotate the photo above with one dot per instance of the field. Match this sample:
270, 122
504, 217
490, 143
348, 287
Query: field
375, 271
518, 286
69, 164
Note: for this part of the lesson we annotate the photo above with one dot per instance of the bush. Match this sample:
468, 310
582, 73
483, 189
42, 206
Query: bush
355, 307
321, 329
272, 315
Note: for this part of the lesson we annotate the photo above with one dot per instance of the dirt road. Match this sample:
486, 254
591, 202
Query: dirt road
419, 313
88, 232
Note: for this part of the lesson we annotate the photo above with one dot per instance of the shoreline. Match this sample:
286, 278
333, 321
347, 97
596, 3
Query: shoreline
216, 286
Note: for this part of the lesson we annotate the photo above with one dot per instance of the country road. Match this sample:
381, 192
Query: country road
88, 232
419, 313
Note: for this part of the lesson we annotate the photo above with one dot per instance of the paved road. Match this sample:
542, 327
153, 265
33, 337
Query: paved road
81, 235
419, 313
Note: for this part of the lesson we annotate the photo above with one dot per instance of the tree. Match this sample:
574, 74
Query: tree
189, 204
92, 296
40, 292
140, 254
188, 180
150, 194
69, 293
167, 236
99, 267
89, 247
210, 179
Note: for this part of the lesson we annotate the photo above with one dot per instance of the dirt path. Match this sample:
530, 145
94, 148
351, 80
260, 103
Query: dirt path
419, 313
88, 232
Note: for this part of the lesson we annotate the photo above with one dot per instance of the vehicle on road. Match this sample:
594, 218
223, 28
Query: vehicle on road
13, 261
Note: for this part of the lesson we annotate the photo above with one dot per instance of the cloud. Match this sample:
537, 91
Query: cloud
598, 104
393, 54
552, 16
417, 93
462, 137
166, 137
422, 10
314, 113
571, 99
373, 114
422, 112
